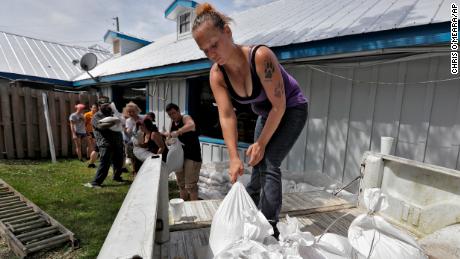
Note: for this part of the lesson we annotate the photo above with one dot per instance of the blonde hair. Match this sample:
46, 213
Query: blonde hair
206, 12
131, 105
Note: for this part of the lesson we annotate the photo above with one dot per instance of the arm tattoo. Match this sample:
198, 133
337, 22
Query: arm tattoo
279, 90
269, 69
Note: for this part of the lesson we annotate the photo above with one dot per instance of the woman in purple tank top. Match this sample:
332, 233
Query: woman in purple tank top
252, 75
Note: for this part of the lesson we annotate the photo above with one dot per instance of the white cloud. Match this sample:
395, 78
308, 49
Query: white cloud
84, 22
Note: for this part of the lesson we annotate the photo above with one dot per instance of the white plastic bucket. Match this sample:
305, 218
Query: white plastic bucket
386, 145
177, 207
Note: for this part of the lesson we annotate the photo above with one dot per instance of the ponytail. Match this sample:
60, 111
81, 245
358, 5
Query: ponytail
206, 12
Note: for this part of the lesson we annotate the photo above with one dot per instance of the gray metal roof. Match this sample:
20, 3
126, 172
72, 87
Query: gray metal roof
33, 57
286, 22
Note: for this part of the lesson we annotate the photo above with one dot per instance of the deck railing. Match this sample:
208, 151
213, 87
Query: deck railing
142, 220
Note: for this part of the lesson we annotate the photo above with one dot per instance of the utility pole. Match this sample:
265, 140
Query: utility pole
117, 23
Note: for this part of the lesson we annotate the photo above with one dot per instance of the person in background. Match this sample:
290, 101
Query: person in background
184, 128
131, 111
150, 115
92, 150
154, 140
252, 75
77, 127
109, 143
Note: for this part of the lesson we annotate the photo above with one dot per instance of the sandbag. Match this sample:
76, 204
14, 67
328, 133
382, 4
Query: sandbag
175, 158
141, 153
113, 122
216, 179
373, 237
298, 244
248, 249
209, 194
229, 220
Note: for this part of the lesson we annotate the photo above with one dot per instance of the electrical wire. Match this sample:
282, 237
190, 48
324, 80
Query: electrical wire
313, 67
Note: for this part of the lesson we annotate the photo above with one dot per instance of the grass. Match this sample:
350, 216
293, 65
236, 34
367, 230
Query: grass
57, 189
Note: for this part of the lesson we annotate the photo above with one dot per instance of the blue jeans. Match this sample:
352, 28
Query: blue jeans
265, 184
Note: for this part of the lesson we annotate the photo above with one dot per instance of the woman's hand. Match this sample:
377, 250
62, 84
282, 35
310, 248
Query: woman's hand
255, 153
174, 134
236, 169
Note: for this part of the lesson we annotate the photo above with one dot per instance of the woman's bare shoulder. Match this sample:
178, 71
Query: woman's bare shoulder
216, 78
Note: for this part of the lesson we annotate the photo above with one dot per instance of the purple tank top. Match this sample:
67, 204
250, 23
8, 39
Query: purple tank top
258, 99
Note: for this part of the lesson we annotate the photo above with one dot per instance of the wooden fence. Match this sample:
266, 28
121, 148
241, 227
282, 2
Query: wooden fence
22, 121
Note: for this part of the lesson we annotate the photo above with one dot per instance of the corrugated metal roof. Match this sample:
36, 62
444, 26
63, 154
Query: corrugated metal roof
33, 57
288, 22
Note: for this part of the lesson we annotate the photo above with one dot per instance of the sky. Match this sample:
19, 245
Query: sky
84, 22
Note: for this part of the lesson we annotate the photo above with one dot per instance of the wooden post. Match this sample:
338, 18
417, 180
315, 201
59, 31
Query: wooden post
6, 119
48, 127
63, 120
28, 114
16, 111
41, 124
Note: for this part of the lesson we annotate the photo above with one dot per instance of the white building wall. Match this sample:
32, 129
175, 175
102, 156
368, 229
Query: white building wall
127, 46
348, 117
106, 91
164, 91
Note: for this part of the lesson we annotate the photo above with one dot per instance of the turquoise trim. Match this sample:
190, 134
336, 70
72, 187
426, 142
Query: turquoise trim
430, 34
184, 3
221, 142
177, 68
115, 34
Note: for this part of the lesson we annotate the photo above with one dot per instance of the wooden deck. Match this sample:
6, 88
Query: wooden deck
198, 214
193, 243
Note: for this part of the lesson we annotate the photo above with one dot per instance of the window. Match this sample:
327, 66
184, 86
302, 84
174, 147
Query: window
202, 107
184, 23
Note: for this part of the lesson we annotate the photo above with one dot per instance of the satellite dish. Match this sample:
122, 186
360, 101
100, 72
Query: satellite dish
88, 61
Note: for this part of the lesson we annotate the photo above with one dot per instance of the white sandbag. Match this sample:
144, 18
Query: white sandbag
305, 187
214, 177
256, 226
228, 222
175, 158
119, 125
373, 237
248, 249
210, 182
208, 194
298, 244
287, 186
224, 188
141, 153
113, 122
216, 166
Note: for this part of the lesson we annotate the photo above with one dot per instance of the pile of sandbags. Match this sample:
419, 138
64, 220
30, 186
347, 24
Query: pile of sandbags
214, 182
238, 230
289, 186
